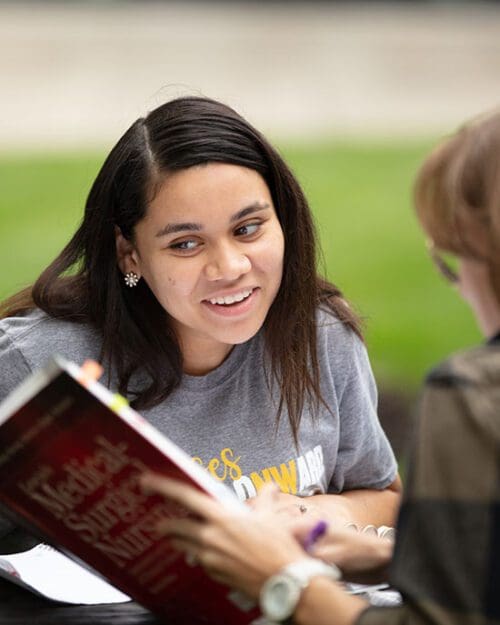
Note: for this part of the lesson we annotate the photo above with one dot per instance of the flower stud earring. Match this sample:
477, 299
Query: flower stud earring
131, 279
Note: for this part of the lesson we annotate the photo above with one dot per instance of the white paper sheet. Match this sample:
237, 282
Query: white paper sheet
49, 573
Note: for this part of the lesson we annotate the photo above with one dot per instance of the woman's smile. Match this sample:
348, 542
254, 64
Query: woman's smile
232, 305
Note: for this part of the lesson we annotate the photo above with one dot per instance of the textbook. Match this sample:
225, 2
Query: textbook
71, 454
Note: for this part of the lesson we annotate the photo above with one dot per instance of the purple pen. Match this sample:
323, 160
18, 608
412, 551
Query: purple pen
317, 532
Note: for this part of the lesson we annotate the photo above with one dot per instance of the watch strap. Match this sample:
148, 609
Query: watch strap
304, 570
296, 576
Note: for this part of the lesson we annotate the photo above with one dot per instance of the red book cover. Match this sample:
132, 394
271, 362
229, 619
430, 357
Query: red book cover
71, 455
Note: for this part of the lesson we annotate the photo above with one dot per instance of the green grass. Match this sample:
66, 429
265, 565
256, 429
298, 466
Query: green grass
41, 204
374, 251
373, 248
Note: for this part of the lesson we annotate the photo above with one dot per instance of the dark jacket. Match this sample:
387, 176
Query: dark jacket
447, 556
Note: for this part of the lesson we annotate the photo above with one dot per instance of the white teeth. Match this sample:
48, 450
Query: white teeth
231, 299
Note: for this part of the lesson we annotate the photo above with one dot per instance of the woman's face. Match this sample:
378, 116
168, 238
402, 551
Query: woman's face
211, 250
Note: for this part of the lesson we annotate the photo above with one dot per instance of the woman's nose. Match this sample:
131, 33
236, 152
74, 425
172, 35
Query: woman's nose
227, 263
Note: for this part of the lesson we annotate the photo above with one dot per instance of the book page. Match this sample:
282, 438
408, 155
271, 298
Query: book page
53, 575
376, 594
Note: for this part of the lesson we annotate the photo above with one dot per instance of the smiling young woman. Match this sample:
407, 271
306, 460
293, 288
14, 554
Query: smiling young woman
211, 251
192, 278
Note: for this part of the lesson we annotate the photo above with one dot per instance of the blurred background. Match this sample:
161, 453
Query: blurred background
353, 94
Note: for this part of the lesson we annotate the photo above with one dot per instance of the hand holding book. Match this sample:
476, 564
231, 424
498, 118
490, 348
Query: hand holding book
241, 550
245, 550
71, 455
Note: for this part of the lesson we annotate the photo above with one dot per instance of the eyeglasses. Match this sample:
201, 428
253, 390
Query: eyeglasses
447, 264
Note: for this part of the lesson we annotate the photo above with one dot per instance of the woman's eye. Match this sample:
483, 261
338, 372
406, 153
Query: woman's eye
247, 230
185, 246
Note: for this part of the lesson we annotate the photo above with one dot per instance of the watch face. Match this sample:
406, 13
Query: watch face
280, 598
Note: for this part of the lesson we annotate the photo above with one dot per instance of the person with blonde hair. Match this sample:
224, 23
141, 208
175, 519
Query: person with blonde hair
446, 559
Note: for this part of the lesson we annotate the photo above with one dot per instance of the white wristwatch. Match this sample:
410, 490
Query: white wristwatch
280, 594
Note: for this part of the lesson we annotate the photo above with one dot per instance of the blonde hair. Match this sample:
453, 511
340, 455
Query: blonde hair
457, 193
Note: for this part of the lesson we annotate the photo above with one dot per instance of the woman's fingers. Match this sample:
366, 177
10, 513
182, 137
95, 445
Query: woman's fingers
220, 567
182, 528
188, 548
302, 527
183, 494
196, 555
267, 498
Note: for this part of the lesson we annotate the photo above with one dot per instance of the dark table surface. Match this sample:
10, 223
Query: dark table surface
21, 607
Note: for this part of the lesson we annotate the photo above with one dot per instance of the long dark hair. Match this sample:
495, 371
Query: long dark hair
84, 283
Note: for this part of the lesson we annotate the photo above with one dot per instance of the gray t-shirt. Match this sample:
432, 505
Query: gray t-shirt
226, 420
